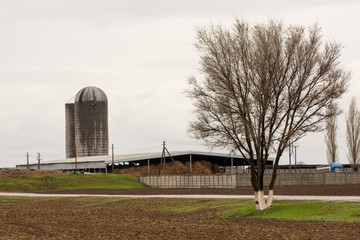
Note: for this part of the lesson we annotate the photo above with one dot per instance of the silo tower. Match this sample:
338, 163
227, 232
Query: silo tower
87, 124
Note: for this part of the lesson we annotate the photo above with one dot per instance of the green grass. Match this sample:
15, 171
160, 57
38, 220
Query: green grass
69, 181
82, 202
300, 211
14, 200
284, 210
230, 208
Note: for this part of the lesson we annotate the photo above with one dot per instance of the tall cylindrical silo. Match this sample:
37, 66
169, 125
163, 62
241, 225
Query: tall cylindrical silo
91, 136
70, 129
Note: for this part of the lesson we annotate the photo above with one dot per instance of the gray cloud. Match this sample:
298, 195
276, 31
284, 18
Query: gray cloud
140, 53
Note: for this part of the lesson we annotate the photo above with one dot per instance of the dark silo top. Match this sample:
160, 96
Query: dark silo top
91, 94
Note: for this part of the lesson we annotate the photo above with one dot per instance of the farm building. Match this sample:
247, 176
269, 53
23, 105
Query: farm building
103, 163
87, 143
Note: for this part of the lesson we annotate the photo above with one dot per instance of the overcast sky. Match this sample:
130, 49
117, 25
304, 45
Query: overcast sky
141, 54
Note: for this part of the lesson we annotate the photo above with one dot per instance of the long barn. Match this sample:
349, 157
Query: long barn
103, 163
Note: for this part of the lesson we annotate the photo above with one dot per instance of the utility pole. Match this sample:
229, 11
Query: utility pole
27, 161
163, 158
38, 158
76, 168
112, 159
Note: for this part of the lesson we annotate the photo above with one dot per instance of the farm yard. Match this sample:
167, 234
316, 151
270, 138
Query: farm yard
165, 218
254, 105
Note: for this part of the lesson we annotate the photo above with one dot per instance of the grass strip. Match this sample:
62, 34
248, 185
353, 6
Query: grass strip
40, 183
224, 208
15, 200
284, 210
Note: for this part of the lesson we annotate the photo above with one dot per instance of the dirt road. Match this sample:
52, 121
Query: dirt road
355, 199
304, 190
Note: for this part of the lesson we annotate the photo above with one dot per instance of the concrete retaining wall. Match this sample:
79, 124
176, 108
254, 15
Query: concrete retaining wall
190, 181
304, 179
237, 180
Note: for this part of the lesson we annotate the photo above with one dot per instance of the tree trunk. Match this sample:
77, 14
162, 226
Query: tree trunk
270, 198
260, 202
256, 200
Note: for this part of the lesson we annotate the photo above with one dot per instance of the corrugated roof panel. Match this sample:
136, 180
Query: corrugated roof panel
135, 157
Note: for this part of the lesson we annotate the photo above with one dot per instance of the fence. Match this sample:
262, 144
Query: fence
237, 180
190, 181
312, 169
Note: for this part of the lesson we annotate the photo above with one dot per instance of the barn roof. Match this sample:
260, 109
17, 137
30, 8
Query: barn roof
221, 159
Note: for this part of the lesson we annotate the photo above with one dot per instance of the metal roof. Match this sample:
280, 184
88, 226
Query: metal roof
145, 156
107, 159
91, 94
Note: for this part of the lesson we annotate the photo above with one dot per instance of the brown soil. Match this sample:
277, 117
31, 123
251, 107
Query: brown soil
91, 218
79, 218
315, 190
174, 168
15, 173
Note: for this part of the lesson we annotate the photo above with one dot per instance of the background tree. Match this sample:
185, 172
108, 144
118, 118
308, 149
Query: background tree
330, 135
263, 85
353, 134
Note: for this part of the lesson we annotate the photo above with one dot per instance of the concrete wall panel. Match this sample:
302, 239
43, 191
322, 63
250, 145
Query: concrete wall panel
234, 180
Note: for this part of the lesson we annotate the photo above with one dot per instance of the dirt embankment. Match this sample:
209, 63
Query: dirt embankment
174, 168
16, 173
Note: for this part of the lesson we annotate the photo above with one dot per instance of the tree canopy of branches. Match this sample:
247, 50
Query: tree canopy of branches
264, 86
330, 135
353, 134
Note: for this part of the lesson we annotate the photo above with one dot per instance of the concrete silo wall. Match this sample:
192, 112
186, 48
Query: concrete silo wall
91, 128
70, 129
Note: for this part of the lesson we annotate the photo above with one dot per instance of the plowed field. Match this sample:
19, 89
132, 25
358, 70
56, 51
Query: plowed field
96, 218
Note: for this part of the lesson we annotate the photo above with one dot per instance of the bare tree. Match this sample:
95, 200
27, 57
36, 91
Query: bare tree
262, 86
330, 134
353, 134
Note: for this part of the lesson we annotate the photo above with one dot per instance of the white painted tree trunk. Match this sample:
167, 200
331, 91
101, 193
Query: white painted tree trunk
256, 200
270, 198
260, 202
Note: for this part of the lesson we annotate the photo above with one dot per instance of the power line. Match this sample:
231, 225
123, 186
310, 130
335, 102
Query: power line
141, 148
53, 155
112, 159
